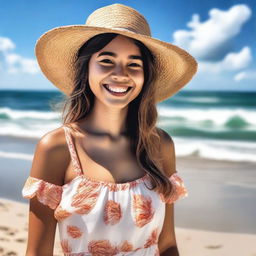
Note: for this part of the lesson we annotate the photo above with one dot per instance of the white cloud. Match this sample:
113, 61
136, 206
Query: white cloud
14, 63
6, 44
209, 40
232, 62
235, 61
245, 75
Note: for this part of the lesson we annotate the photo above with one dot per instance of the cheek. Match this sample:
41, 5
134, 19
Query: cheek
97, 72
139, 78
94, 74
94, 69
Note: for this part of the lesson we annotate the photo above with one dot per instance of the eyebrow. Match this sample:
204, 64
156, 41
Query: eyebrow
134, 57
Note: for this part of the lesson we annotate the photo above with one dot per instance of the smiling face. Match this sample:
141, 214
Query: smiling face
114, 69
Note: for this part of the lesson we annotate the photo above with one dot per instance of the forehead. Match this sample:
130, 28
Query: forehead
122, 45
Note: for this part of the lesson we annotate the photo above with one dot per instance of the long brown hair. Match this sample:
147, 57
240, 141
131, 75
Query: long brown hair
142, 113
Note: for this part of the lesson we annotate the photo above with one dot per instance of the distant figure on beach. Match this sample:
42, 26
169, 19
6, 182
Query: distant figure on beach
108, 175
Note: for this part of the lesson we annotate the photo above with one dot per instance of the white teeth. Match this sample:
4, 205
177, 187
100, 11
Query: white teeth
117, 89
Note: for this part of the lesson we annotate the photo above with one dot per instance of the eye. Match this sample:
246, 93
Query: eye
107, 61
135, 65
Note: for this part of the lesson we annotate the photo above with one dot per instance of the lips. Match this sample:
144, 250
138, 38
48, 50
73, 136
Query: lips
118, 86
117, 93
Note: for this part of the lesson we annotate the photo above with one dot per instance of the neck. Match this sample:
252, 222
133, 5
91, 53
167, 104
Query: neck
106, 121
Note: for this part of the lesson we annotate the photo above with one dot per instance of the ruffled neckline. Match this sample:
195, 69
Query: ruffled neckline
109, 184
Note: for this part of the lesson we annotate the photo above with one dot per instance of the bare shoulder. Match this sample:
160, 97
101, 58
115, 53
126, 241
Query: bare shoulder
165, 137
167, 151
49, 164
166, 142
52, 140
51, 157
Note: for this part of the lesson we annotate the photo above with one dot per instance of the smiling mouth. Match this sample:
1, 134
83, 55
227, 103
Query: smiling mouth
117, 90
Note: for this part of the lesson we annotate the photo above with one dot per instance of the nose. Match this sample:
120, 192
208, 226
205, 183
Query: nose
119, 74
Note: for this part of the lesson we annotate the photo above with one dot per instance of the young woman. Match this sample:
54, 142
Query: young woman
107, 176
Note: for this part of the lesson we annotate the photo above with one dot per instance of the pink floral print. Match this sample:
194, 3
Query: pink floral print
179, 189
112, 212
153, 238
47, 193
66, 248
102, 248
143, 210
86, 196
61, 214
74, 231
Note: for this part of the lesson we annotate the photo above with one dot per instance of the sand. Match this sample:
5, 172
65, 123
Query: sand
191, 242
217, 218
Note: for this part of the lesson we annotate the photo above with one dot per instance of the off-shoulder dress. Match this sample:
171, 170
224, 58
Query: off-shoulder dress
104, 218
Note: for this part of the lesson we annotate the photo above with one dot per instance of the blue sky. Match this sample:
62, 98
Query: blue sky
219, 34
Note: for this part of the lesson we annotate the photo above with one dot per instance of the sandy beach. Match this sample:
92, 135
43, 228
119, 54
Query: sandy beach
13, 237
216, 219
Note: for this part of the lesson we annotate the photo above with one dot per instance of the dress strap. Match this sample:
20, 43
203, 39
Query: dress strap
74, 157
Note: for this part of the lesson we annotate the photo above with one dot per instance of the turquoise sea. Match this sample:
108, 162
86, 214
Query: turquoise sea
217, 125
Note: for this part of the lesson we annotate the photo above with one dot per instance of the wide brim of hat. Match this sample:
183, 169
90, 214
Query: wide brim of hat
56, 52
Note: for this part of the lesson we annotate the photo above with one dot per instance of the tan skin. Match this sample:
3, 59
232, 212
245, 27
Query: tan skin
103, 157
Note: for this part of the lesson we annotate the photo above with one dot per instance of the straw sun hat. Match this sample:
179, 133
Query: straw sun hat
57, 48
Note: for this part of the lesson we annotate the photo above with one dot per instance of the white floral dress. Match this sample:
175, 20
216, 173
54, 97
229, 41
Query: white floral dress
100, 218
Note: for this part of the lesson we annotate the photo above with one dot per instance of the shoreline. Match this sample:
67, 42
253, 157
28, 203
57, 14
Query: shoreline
13, 236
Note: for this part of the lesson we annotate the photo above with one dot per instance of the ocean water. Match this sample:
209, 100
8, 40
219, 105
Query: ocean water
216, 125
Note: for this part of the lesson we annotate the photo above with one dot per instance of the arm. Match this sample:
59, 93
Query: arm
171, 251
167, 240
49, 164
